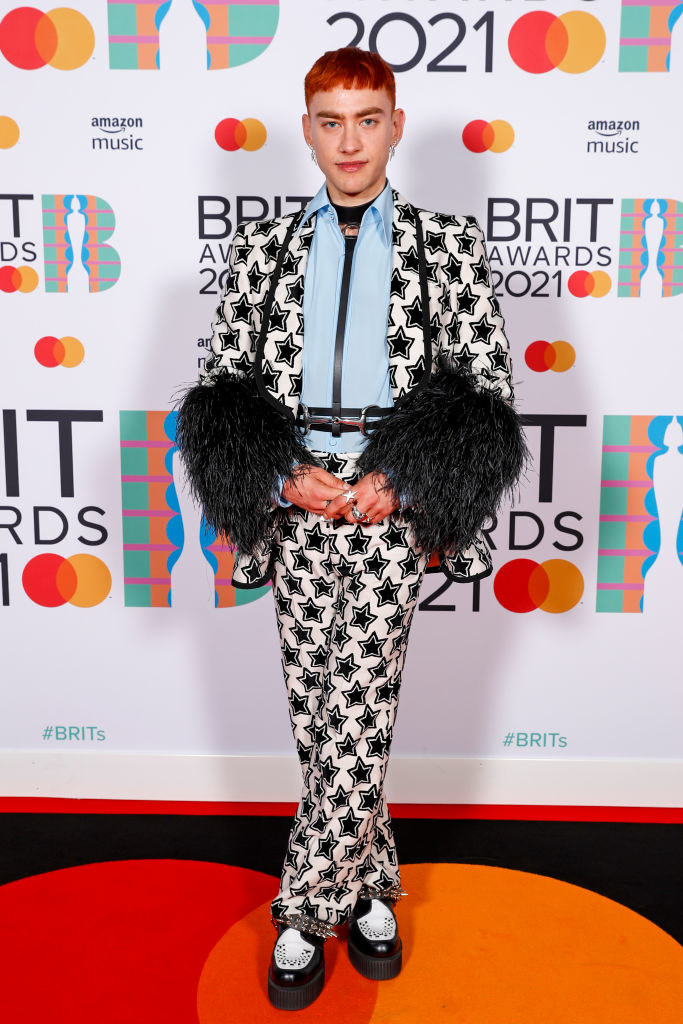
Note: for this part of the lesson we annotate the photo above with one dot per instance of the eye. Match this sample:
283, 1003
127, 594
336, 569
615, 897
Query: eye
326, 123
370, 120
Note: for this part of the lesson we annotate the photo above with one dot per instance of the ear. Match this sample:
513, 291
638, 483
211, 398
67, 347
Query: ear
306, 125
398, 120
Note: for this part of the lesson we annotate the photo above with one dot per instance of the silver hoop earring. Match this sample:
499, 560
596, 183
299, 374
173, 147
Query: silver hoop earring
313, 156
392, 150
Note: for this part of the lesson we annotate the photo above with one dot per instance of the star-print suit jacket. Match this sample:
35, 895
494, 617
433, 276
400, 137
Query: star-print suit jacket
453, 440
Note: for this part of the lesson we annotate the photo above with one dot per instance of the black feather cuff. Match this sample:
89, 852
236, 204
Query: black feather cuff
234, 445
455, 449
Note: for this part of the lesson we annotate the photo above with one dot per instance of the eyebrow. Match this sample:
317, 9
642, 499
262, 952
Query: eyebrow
360, 113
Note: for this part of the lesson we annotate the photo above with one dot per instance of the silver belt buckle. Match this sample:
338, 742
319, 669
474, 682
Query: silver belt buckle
363, 418
307, 417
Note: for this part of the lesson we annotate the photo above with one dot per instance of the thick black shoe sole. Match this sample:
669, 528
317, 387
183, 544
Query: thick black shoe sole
288, 997
377, 968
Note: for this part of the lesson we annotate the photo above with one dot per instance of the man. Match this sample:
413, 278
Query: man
356, 415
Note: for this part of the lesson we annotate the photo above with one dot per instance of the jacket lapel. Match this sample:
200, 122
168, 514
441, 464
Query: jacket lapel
281, 361
409, 362
280, 377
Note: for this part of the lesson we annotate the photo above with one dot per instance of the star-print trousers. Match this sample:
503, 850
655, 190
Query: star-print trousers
344, 599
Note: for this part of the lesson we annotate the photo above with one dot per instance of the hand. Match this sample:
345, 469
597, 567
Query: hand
370, 498
310, 487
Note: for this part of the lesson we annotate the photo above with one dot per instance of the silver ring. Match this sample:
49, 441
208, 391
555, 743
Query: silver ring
357, 514
349, 494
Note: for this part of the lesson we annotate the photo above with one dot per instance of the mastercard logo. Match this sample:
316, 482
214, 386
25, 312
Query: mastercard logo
18, 279
480, 136
82, 580
573, 42
9, 132
596, 283
549, 355
523, 585
249, 134
62, 38
51, 351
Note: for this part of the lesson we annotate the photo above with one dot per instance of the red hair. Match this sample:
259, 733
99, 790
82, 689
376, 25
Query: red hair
349, 67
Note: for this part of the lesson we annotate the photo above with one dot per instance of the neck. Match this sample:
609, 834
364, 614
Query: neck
344, 199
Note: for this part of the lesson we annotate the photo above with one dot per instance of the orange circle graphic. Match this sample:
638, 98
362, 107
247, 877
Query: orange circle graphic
522, 585
231, 134
573, 42
51, 580
9, 132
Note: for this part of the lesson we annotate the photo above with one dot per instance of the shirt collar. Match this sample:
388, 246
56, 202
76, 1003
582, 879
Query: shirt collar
382, 207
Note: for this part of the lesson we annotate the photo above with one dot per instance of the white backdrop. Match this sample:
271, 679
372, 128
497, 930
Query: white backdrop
110, 666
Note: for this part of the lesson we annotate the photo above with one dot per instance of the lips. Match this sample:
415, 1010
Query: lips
353, 166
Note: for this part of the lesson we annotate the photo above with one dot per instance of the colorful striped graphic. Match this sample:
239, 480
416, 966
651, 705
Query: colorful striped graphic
153, 533
634, 257
629, 536
152, 528
101, 262
645, 35
235, 32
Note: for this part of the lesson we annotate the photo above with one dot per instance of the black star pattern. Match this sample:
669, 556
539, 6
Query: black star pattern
241, 310
315, 538
465, 243
295, 291
298, 704
398, 284
481, 272
301, 562
362, 617
290, 655
346, 746
345, 667
376, 564
482, 329
409, 260
308, 679
322, 586
372, 647
498, 357
293, 583
399, 343
287, 350
336, 719
329, 770
270, 376
357, 542
452, 268
287, 529
467, 300
341, 635
360, 772
377, 744
368, 799
278, 318
386, 594
414, 313
368, 719
256, 277
326, 845
350, 824
310, 610
435, 241
229, 339
410, 564
319, 656
356, 695
355, 587
395, 536
395, 621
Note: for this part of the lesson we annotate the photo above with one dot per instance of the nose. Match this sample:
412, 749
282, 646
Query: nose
350, 141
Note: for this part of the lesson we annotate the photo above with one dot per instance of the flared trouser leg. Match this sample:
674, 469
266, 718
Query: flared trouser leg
344, 599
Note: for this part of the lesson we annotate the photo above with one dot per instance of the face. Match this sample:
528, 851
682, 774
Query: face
351, 131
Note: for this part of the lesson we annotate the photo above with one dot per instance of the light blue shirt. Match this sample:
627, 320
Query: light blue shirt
365, 362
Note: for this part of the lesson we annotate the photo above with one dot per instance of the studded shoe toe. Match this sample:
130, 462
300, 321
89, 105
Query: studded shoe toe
296, 973
374, 945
